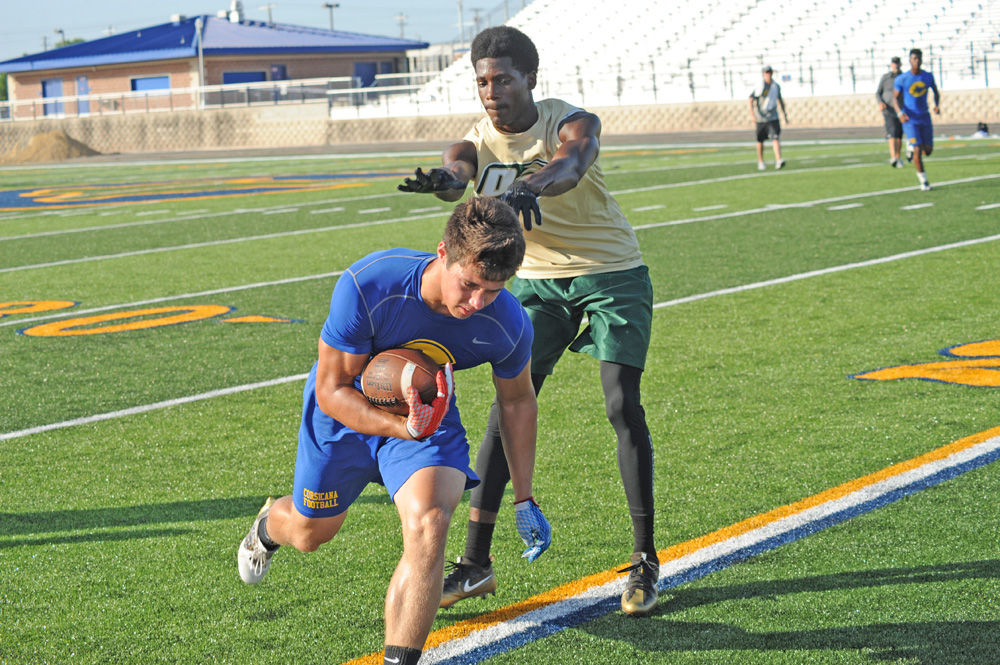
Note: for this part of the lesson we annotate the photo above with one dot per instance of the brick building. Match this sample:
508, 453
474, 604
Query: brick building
169, 57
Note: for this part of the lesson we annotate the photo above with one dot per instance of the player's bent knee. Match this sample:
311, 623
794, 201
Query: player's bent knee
309, 535
427, 527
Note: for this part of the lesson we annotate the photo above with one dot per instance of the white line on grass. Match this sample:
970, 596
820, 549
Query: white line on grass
271, 236
668, 303
805, 204
215, 243
326, 210
186, 216
280, 211
989, 206
846, 206
189, 216
372, 211
916, 206
720, 206
773, 174
658, 206
827, 271
152, 407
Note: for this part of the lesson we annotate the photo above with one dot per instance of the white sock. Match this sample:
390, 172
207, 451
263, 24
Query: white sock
922, 177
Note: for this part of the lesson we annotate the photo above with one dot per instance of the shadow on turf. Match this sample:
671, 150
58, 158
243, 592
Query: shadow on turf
922, 643
90, 519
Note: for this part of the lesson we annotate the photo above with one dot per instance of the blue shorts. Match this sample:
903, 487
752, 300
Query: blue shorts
334, 463
919, 133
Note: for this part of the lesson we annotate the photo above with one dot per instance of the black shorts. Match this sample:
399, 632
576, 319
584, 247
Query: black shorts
893, 127
769, 130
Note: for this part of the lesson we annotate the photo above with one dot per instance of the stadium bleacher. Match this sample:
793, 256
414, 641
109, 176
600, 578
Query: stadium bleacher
634, 52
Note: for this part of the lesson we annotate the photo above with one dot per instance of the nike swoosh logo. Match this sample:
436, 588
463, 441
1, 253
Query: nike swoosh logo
470, 587
391, 660
476, 340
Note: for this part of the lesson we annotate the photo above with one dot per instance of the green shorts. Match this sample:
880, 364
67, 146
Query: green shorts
619, 309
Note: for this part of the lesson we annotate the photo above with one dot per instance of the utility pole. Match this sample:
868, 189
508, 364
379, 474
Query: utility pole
475, 20
331, 6
401, 19
461, 22
62, 37
269, 6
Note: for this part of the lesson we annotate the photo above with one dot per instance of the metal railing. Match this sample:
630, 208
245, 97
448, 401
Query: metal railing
626, 84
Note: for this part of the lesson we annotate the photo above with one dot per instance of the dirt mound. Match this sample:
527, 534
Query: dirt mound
54, 146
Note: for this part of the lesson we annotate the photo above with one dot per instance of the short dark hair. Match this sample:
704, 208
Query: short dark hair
917, 52
486, 233
895, 60
504, 41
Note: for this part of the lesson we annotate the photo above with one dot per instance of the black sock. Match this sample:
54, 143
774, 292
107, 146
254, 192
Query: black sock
478, 541
265, 539
642, 534
401, 655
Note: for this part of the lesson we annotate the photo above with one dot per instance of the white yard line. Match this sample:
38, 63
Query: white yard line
213, 243
669, 303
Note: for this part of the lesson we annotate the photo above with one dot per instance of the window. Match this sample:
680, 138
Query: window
82, 90
243, 77
151, 83
53, 88
365, 73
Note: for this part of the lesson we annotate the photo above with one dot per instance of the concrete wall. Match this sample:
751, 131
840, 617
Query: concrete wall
308, 124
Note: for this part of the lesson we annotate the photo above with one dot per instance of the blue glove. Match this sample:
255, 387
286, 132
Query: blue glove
533, 528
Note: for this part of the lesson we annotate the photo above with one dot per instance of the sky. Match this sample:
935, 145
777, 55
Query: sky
28, 24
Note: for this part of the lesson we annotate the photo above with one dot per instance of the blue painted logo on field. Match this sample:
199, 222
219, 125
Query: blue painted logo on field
70, 196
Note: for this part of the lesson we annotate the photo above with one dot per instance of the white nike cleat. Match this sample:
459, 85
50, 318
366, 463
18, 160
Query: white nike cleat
761, 166
779, 165
926, 187
253, 559
467, 580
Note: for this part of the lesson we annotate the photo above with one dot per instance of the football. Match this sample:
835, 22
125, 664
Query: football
388, 374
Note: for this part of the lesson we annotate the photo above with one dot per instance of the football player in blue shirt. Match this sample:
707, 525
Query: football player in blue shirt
910, 94
453, 306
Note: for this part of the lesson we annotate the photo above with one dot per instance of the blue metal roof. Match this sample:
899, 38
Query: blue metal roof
219, 37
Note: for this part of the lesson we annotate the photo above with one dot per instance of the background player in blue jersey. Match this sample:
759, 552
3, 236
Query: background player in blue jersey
911, 102
452, 305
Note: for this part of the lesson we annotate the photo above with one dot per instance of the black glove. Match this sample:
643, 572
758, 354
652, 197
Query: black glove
435, 180
524, 202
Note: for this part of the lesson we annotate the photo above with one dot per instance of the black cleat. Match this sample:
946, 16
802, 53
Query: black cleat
467, 580
641, 594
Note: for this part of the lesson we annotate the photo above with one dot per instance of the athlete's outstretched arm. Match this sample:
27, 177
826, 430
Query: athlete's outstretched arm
580, 137
518, 411
462, 160
448, 183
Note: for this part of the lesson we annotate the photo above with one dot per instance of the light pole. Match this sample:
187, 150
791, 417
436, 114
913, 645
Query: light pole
62, 37
199, 25
401, 19
331, 6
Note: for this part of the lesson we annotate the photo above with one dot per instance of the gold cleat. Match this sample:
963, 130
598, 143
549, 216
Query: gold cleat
640, 594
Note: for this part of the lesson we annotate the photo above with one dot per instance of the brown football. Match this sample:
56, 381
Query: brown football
388, 374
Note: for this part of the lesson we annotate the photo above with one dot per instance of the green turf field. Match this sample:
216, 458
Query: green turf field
135, 460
